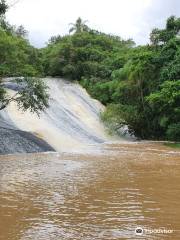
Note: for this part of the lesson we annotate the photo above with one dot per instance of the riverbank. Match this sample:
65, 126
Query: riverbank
173, 145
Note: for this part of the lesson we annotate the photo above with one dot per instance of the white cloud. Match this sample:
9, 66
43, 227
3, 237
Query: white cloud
126, 18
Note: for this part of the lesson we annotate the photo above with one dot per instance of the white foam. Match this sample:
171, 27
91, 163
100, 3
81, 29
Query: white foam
72, 121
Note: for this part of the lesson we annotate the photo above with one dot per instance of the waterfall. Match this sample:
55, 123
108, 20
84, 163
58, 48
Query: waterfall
72, 120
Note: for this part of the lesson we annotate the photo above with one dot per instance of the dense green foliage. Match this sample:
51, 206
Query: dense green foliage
19, 58
87, 56
84, 55
139, 85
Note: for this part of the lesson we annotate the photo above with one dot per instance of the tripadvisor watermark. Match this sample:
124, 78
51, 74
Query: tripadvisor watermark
140, 231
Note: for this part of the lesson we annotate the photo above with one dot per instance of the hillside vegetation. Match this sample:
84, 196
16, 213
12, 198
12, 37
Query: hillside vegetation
19, 59
139, 85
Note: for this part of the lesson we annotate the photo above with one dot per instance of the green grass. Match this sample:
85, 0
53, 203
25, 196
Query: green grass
173, 145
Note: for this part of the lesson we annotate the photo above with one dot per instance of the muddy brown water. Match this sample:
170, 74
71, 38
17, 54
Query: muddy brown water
104, 194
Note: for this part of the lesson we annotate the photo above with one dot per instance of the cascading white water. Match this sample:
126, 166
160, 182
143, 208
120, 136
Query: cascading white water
71, 122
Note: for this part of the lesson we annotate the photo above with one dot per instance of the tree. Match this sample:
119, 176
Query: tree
147, 92
31, 94
55, 39
161, 36
19, 58
79, 26
165, 104
21, 31
3, 7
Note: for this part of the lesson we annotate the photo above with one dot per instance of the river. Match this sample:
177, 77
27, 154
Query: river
103, 194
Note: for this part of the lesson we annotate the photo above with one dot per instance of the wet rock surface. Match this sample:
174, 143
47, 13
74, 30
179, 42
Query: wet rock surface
13, 140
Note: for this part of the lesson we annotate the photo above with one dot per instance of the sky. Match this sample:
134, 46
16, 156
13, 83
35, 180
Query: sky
126, 18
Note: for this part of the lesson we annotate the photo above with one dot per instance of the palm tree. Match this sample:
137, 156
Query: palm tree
79, 26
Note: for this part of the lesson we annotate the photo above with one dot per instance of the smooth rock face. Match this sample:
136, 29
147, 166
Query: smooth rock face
13, 140
71, 123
